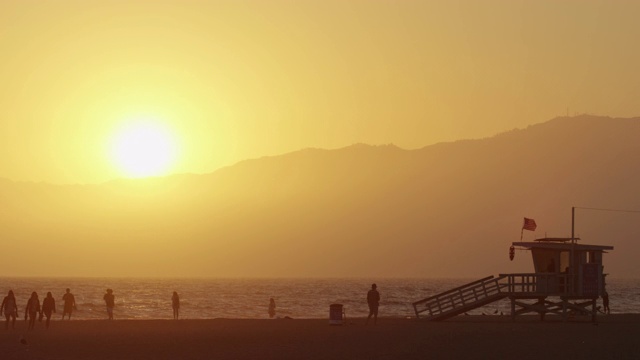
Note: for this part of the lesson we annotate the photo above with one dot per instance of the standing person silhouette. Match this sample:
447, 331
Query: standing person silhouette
10, 308
69, 303
272, 308
109, 299
605, 303
175, 304
32, 310
48, 306
373, 299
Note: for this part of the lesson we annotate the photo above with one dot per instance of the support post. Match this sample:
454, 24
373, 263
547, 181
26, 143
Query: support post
513, 308
572, 267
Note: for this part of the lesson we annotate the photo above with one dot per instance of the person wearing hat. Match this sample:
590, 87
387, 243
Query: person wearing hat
373, 299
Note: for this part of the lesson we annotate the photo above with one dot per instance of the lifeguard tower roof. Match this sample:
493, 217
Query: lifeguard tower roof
554, 239
561, 244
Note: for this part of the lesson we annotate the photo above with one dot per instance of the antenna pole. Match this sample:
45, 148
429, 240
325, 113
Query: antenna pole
573, 221
572, 271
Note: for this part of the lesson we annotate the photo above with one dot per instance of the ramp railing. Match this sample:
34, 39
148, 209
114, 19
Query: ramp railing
461, 299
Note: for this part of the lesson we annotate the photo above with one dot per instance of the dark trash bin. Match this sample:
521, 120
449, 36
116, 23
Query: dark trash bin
336, 314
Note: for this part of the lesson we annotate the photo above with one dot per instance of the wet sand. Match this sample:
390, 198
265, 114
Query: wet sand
464, 337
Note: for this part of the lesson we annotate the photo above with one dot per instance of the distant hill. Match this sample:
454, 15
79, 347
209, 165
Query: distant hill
446, 210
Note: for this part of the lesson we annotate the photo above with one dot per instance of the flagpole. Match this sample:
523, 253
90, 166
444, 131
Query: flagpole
573, 242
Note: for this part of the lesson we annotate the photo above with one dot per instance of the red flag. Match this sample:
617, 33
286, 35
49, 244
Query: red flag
529, 224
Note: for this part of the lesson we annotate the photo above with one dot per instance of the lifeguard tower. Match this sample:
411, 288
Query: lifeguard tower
568, 278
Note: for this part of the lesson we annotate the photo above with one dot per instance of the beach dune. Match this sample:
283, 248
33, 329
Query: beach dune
465, 337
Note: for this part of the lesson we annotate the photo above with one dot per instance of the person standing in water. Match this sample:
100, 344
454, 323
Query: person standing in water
69, 303
175, 304
32, 310
109, 299
10, 308
373, 299
272, 308
48, 307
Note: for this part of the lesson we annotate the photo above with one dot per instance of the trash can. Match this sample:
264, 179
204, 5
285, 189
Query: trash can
335, 314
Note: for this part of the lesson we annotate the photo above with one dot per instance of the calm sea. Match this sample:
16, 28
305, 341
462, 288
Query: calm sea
249, 298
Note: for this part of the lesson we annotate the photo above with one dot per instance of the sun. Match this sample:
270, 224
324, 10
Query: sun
143, 148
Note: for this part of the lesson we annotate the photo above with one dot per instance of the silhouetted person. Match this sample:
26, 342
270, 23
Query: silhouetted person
32, 310
175, 304
272, 308
605, 303
373, 299
109, 299
10, 308
48, 307
69, 303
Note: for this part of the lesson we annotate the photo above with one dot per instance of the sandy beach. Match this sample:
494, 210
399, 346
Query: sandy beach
465, 337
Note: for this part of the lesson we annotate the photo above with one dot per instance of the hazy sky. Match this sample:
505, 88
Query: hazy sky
229, 80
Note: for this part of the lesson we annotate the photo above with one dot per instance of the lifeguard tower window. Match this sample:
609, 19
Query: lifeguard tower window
545, 261
592, 258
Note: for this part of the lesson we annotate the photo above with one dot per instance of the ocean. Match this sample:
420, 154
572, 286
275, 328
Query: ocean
249, 298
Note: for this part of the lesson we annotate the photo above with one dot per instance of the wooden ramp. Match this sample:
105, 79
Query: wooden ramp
461, 299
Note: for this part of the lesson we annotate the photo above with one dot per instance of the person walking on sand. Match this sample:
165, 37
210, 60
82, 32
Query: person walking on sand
48, 307
175, 304
69, 303
373, 299
109, 299
32, 310
272, 308
10, 308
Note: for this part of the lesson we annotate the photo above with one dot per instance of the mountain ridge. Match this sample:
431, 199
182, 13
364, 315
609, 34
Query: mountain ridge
445, 210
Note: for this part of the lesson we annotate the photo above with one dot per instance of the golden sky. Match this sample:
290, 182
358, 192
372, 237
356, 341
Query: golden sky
230, 80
